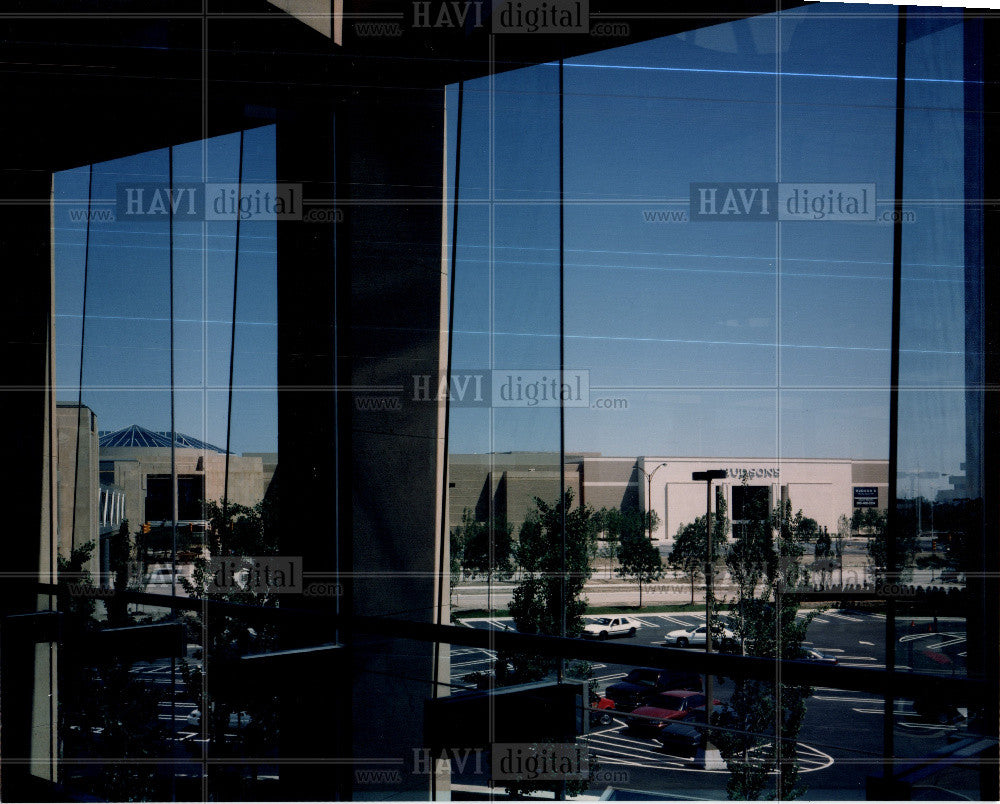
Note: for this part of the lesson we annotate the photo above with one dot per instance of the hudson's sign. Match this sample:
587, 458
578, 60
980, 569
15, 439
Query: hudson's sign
753, 473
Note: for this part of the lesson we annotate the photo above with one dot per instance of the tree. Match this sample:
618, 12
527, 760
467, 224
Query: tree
766, 555
823, 553
487, 548
638, 557
607, 521
241, 532
843, 533
481, 548
690, 548
120, 550
104, 709
550, 591
80, 605
456, 547
537, 607
878, 547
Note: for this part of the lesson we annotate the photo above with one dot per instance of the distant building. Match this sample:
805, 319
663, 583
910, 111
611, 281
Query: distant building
105, 478
78, 493
824, 489
138, 461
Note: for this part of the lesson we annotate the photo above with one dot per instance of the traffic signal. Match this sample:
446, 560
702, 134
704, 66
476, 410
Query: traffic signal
145, 527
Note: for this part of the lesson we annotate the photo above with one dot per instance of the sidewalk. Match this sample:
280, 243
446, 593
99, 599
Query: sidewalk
674, 589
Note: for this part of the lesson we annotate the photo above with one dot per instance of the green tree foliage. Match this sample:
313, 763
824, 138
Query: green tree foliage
607, 522
823, 551
639, 559
537, 604
549, 591
484, 549
690, 548
79, 604
104, 709
764, 560
121, 550
866, 520
537, 600
243, 532
875, 521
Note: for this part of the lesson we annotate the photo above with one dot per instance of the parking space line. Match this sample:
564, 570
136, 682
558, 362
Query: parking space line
667, 765
676, 621
845, 699
636, 750
838, 616
618, 751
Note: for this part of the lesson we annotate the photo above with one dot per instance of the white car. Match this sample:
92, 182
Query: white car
684, 637
604, 627
236, 719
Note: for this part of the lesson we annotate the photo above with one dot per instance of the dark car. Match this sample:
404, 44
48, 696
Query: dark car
683, 737
663, 707
639, 684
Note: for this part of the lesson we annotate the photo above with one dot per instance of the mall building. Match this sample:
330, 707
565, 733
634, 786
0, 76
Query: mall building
823, 488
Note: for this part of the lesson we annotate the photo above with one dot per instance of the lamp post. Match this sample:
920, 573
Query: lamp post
649, 496
711, 757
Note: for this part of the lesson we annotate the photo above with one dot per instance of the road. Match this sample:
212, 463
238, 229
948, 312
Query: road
840, 742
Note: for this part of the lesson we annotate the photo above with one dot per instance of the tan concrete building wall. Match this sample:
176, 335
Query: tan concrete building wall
133, 464
473, 480
611, 483
521, 488
77, 481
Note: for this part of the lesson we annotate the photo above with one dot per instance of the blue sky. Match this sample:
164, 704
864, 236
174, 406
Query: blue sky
127, 355
730, 339
724, 339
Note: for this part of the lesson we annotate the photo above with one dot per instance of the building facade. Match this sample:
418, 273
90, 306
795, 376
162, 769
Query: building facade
138, 460
824, 489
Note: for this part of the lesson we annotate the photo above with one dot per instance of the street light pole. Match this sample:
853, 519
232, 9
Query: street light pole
711, 756
649, 496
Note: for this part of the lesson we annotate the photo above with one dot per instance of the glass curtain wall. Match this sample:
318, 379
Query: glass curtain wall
166, 333
728, 243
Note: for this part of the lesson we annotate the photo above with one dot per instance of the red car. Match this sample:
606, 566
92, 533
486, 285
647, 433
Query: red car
663, 707
600, 712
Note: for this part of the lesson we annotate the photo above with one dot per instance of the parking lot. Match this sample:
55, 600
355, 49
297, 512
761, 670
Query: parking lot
840, 743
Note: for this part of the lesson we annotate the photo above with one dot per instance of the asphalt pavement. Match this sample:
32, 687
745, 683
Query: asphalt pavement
840, 743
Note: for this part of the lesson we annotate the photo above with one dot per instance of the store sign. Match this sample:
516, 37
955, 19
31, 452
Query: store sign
866, 496
753, 473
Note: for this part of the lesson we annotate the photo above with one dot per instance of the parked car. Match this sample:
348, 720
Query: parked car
601, 712
642, 682
694, 637
812, 655
236, 719
605, 627
663, 707
684, 737
159, 581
